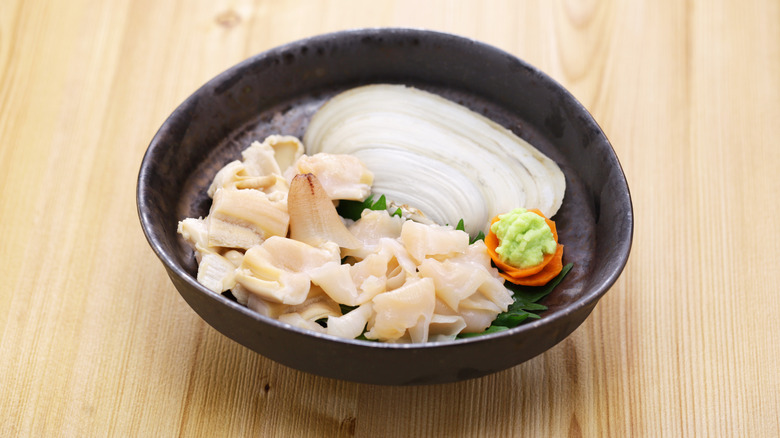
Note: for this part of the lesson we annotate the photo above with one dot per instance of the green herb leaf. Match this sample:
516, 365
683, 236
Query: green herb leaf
491, 329
346, 309
380, 204
354, 209
460, 225
531, 306
512, 319
532, 294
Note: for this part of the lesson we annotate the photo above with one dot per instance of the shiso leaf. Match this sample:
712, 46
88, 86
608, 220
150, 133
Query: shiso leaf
353, 209
346, 309
380, 204
491, 329
479, 236
532, 294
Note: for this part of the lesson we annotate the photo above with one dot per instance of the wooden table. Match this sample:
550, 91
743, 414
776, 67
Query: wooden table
95, 341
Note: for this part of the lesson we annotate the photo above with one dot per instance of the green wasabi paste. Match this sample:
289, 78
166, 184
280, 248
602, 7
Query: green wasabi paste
524, 238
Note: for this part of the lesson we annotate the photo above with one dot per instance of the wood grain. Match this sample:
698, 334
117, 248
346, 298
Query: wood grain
95, 341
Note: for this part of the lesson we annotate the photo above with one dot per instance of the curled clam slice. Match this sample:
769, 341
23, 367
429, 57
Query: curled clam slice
313, 217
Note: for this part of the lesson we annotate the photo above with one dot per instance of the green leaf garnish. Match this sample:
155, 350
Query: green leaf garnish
353, 209
513, 319
380, 204
491, 329
346, 309
532, 294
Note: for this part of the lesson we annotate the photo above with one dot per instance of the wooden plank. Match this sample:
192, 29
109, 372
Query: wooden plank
95, 341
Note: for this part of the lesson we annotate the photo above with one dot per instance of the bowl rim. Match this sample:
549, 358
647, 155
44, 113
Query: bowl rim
589, 298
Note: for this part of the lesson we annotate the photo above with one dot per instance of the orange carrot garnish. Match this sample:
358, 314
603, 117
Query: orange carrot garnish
536, 275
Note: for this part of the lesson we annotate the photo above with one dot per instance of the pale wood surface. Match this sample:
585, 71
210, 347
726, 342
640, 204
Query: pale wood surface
95, 341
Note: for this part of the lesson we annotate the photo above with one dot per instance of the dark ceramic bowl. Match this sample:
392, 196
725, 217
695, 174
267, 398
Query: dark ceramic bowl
277, 91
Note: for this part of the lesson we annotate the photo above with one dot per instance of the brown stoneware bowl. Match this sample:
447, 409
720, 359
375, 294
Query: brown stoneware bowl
277, 91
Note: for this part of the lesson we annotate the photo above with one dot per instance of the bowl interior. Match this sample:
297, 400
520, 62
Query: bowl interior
278, 91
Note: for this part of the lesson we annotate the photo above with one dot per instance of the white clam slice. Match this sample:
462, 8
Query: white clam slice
410, 307
454, 281
196, 232
422, 241
335, 279
342, 176
372, 226
244, 218
316, 306
286, 149
296, 320
445, 327
216, 272
313, 217
352, 324
277, 270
